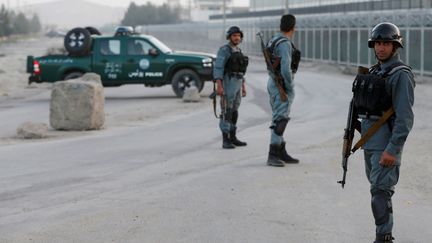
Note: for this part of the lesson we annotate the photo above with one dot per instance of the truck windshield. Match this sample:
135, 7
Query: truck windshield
161, 46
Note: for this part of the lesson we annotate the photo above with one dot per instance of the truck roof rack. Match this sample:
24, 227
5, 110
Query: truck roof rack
124, 30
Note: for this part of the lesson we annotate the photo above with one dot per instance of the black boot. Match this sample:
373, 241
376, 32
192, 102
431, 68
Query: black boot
286, 157
234, 139
384, 238
226, 141
274, 156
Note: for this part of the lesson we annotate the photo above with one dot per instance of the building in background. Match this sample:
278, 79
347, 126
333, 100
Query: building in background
330, 31
200, 10
259, 5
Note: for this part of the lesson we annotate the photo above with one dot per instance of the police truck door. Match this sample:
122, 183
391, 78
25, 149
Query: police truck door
143, 65
108, 60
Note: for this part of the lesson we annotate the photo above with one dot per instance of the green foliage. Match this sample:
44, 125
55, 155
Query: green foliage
150, 14
21, 25
5, 25
11, 23
35, 24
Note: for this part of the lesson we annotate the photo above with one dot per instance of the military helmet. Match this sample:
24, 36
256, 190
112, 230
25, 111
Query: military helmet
232, 30
385, 31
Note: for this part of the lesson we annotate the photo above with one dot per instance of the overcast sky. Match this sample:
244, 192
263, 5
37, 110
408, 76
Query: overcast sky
116, 3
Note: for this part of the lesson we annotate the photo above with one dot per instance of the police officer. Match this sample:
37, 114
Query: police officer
281, 47
228, 73
383, 150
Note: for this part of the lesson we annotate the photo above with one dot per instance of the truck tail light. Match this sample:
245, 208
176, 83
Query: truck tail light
36, 67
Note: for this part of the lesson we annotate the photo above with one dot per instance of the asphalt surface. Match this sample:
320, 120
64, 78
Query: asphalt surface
157, 172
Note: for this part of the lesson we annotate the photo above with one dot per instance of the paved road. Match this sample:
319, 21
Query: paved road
161, 175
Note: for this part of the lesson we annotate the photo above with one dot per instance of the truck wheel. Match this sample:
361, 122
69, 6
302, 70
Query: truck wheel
78, 41
73, 75
183, 79
93, 30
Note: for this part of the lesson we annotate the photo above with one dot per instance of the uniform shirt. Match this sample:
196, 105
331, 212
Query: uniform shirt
222, 57
401, 87
284, 51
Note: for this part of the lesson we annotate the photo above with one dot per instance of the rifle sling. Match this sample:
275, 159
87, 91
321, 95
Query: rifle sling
373, 129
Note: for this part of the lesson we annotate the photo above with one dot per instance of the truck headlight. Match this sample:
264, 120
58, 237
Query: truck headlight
207, 62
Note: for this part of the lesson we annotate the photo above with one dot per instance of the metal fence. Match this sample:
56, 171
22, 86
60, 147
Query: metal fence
332, 38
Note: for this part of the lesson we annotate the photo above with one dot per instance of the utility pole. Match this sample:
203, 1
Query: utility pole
286, 6
224, 16
190, 10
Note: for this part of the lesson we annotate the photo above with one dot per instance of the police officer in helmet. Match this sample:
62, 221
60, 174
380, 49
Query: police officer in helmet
228, 73
393, 87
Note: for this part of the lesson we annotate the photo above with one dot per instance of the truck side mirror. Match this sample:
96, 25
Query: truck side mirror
153, 52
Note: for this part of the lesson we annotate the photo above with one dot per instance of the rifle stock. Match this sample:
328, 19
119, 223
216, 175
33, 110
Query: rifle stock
272, 69
362, 70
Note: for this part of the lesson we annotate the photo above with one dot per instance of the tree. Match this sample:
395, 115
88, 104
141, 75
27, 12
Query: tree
21, 24
150, 14
11, 23
35, 25
5, 22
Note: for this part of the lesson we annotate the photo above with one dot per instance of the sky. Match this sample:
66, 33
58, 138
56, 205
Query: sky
114, 3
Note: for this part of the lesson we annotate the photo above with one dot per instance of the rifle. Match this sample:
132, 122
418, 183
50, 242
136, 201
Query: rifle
352, 124
277, 77
213, 97
348, 139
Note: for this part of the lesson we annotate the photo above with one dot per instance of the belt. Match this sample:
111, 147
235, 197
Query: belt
236, 74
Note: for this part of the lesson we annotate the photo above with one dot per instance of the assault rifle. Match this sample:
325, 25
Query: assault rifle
213, 97
271, 67
348, 139
352, 124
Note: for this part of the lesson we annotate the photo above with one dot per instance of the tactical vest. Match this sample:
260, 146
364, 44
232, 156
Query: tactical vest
236, 63
371, 98
295, 56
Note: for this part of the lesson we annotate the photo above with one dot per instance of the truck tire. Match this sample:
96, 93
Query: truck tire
93, 30
183, 79
73, 75
78, 41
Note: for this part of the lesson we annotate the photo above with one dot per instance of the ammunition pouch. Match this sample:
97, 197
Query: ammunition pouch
370, 95
295, 58
237, 63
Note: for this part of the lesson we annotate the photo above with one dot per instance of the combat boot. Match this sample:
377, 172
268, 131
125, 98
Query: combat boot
285, 157
384, 238
274, 156
226, 141
234, 139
